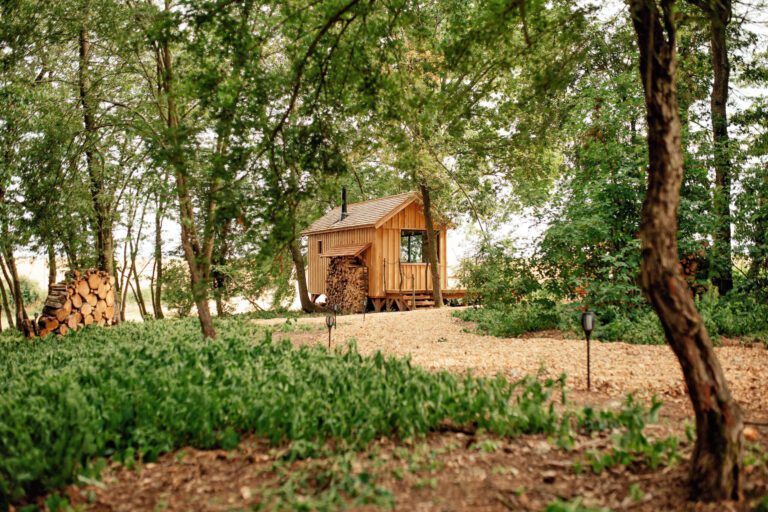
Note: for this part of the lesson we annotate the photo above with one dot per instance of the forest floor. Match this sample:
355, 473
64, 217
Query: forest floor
466, 471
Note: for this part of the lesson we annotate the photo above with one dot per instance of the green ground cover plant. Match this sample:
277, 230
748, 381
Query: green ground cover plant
140, 390
734, 316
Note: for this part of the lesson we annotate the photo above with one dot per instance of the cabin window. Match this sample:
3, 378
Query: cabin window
413, 246
319, 247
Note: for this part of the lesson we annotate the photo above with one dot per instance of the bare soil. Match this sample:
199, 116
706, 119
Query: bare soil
449, 471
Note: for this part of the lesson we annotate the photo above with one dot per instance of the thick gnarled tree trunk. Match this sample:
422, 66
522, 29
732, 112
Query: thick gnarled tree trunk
716, 469
432, 248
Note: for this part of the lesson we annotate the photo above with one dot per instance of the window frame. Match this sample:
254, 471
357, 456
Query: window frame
423, 232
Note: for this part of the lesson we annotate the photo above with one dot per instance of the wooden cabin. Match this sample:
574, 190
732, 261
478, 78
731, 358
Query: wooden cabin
374, 252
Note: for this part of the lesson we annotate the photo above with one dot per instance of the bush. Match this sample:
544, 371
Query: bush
495, 277
514, 319
152, 387
735, 315
177, 293
31, 292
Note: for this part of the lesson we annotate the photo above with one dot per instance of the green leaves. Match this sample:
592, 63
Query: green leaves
149, 388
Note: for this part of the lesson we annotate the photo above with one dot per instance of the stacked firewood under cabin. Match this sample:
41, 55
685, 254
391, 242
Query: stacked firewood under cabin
347, 284
86, 298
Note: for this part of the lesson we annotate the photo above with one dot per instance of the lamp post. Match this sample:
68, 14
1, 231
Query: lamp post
330, 322
588, 323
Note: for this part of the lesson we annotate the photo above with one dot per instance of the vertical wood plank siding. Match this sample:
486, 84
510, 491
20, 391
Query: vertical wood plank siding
383, 254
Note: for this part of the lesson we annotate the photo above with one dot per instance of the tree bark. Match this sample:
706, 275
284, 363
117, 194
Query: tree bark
219, 277
301, 277
157, 292
716, 469
432, 248
51, 266
719, 14
100, 199
12, 277
6, 304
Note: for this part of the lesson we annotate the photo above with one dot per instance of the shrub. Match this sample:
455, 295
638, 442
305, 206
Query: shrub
31, 292
152, 387
177, 293
515, 319
495, 277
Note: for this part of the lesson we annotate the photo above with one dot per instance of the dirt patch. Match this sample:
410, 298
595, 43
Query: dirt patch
446, 471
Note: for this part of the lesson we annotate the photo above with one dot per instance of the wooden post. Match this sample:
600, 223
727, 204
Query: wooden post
413, 290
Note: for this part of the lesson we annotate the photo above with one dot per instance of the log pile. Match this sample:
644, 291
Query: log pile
346, 284
86, 298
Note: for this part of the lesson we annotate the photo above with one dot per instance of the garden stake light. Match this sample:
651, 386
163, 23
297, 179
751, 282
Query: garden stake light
588, 323
330, 321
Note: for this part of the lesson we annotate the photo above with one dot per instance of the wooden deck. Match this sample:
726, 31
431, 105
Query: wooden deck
408, 300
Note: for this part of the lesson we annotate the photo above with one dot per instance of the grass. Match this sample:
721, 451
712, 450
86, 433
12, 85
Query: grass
144, 389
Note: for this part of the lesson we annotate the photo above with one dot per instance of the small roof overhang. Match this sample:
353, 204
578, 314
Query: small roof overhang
346, 250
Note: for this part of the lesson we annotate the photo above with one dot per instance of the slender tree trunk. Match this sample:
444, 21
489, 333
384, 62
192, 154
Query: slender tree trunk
432, 246
6, 304
157, 292
105, 248
719, 12
137, 287
51, 266
197, 256
12, 277
219, 277
716, 469
301, 277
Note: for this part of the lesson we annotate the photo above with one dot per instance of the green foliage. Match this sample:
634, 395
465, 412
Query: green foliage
31, 293
631, 446
571, 506
735, 315
496, 277
149, 388
177, 292
514, 319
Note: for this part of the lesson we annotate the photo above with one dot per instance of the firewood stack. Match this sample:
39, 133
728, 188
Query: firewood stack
84, 299
346, 284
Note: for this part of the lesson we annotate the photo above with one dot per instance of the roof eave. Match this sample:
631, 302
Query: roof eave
331, 230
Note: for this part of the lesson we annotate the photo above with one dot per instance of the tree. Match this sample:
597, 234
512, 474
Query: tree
719, 14
716, 469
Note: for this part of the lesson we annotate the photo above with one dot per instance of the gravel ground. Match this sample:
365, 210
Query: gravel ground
436, 340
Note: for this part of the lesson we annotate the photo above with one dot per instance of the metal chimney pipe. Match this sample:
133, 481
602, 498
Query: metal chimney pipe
344, 213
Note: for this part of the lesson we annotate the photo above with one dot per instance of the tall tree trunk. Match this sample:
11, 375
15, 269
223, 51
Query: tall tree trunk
105, 246
716, 469
219, 277
157, 292
51, 266
6, 304
301, 277
432, 246
198, 256
719, 13
137, 286
12, 277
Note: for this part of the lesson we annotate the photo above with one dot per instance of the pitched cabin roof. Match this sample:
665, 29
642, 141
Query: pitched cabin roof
366, 214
